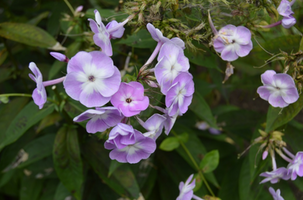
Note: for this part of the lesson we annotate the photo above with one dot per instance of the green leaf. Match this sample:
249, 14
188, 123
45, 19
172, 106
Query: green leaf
98, 158
244, 181
29, 116
277, 117
202, 110
29, 35
38, 18
210, 161
141, 39
207, 59
113, 166
128, 180
38, 149
61, 192
301, 45
55, 68
169, 144
67, 160
30, 188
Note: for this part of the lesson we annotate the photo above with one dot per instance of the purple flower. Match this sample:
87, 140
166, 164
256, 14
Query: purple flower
180, 94
100, 119
275, 195
128, 144
158, 36
91, 78
117, 33
284, 10
130, 99
232, 42
288, 22
295, 168
171, 63
279, 89
186, 189
170, 120
39, 94
101, 36
154, 125
275, 175
156, 33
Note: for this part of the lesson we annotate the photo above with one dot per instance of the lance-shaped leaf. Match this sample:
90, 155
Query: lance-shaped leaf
67, 160
200, 107
29, 116
122, 180
277, 117
29, 34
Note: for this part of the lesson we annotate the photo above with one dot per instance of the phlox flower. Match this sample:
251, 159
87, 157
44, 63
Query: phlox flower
170, 120
295, 168
279, 89
158, 36
171, 63
128, 144
233, 42
154, 125
186, 189
100, 118
103, 34
284, 10
276, 194
91, 78
39, 94
275, 175
130, 99
180, 94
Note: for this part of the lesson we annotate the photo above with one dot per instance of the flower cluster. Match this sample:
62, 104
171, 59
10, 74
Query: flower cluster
274, 143
94, 81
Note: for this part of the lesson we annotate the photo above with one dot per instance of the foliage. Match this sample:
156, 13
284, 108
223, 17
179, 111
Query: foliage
44, 155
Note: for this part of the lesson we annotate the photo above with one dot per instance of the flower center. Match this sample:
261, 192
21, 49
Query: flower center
128, 100
91, 78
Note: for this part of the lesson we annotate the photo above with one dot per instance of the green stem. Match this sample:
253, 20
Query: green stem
70, 6
22, 95
195, 164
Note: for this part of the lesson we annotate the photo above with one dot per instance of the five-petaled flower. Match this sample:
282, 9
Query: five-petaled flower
279, 89
233, 42
128, 144
130, 99
91, 78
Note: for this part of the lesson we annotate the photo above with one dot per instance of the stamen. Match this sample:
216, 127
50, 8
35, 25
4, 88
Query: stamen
128, 100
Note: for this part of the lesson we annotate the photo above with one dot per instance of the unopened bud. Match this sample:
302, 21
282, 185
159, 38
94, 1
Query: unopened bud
265, 154
152, 84
59, 56
79, 9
